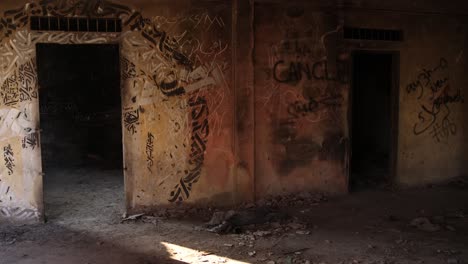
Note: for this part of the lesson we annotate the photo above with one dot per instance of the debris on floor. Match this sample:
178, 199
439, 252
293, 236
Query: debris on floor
422, 223
365, 228
233, 221
131, 217
302, 198
144, 218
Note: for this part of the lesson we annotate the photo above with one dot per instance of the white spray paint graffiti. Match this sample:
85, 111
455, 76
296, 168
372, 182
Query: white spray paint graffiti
157, 66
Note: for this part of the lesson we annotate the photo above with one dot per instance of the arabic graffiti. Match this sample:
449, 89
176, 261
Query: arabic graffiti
9, 91
27, 78
157, 62
200, 132
9, 159
30, 141
149, 151
165, 79
131, 120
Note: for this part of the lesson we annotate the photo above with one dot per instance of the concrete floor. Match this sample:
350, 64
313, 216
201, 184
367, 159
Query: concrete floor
82, 195
84, 209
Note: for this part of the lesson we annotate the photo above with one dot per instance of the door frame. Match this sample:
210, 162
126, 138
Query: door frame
394, 110
42, 208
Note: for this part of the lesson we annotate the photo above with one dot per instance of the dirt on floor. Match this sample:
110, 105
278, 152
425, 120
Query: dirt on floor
85, 225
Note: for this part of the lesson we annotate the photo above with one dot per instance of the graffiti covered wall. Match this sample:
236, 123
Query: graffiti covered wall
177, 108
302, 82
206, 123
301, 91
432, 86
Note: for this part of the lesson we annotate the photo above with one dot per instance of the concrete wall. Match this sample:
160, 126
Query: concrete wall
177, 100
432, 144
302, 143
301, 94
224, 102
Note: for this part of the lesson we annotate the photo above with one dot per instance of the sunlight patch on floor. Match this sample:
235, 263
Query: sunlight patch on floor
189, 255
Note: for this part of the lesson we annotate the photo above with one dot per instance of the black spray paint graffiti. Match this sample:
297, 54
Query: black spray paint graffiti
166, 79
284, 73
441, 132
20, 86
30, 141
9, 91
200, 132
298, 108
128, 69
8, 157
149, 151
435, 98
295, 46
131, 120
425, 80
17, 19
27, 78
168, 82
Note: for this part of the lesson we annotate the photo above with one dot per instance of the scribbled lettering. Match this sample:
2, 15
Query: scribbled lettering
149, 151
295, 46
128, 69
299, 108
425, 80
16, 19
30, 141
131, 120
168, 66
294, 71
441, 132
9, 91
9, 159
27, 78
435, 98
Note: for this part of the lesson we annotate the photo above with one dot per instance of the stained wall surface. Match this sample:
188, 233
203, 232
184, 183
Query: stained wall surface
303, 88
230, 101
431, 129
176, 91
301, 95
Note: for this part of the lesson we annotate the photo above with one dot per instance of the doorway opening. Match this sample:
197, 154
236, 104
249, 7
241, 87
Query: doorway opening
373, 119
81, 132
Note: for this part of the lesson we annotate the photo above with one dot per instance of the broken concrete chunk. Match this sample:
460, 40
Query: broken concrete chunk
422, 223
262, 233
132, 217
296, 226
450, 228
302, 232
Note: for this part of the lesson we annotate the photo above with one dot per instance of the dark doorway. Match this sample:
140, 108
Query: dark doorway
81, 134
371, 135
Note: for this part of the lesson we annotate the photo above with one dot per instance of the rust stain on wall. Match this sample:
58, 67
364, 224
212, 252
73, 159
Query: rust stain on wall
301, 94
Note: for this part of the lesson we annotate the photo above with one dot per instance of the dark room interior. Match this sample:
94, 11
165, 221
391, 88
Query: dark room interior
371, 119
